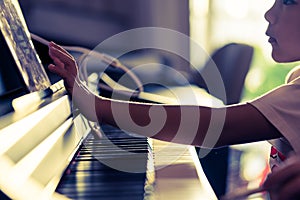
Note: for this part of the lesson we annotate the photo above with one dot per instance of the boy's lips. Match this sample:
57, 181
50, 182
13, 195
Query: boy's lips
272, 40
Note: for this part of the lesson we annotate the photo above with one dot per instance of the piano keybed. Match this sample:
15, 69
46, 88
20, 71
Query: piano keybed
42, 157
97, 171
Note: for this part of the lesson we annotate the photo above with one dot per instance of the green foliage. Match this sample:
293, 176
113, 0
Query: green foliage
271, 75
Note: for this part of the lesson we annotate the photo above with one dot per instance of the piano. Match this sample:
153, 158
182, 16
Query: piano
48, 150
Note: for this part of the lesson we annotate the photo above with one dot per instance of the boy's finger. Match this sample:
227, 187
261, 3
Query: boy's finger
54, 52
60, 48
58, 63
60, 72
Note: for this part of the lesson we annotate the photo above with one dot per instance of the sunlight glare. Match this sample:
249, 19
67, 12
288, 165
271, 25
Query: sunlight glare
254, 79
237, 9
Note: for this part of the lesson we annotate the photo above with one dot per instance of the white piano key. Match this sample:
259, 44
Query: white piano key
30, 189
18, 138
178, 173
48, 149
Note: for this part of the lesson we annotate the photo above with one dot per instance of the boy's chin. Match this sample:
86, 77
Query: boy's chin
279, 59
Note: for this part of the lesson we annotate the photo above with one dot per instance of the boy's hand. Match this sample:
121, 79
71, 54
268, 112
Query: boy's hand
284, 182
64, 65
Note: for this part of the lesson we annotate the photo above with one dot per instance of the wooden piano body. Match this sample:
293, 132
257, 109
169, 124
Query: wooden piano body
39, 142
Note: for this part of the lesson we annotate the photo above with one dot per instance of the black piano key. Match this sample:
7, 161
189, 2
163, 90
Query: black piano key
89, 175
107, 196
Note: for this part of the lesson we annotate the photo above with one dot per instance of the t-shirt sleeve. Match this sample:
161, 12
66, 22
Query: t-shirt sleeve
281, 107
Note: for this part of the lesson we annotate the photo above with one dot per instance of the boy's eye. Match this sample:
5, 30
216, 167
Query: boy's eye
289, 2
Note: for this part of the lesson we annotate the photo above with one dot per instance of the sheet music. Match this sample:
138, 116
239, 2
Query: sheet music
17, 36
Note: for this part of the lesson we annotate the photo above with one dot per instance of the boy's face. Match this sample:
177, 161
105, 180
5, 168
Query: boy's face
284, 30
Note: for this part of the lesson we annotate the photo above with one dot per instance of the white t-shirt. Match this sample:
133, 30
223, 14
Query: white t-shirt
281, 107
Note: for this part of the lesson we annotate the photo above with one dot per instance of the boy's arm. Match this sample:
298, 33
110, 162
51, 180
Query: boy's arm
195, 125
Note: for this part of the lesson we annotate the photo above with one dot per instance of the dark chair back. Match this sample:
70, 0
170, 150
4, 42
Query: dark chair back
233, 62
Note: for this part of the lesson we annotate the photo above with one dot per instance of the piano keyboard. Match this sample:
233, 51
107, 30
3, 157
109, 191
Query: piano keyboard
114, 167
46, 152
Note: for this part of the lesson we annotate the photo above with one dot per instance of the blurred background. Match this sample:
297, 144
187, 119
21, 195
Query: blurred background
211, 23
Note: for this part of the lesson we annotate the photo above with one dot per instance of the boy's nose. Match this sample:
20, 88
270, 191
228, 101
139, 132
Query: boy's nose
269, 15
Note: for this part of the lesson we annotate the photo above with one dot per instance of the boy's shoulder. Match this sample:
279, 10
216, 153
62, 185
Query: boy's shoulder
293, 74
